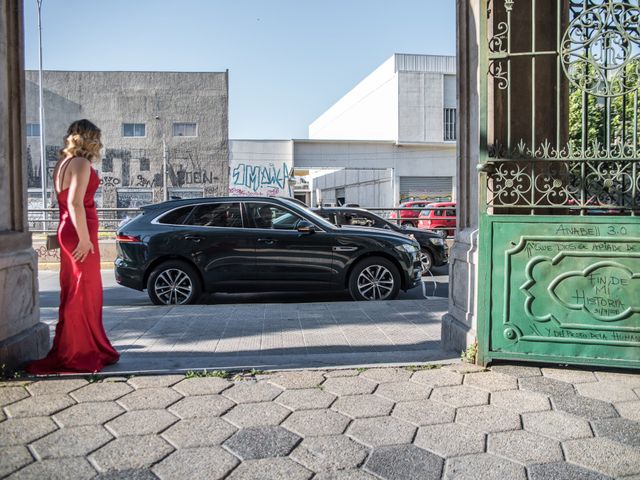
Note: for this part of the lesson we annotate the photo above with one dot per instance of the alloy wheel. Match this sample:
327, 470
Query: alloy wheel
425, 262
173, 287
375, 282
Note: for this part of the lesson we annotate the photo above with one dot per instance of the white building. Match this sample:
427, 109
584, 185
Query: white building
390, 139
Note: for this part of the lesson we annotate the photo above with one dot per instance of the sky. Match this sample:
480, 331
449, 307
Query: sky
288, 60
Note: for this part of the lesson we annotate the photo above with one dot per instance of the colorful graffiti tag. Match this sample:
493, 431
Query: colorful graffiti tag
267, 179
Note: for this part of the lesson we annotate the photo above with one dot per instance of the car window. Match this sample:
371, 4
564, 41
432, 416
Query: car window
176, 217
451, 213
361, 220
264, 215
217, 215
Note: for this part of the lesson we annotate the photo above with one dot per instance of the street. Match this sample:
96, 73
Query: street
116, 295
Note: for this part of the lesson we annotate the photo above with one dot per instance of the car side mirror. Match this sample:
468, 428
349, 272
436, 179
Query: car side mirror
306, 227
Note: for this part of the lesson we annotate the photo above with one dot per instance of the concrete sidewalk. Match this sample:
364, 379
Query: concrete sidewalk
458, 421
272, 336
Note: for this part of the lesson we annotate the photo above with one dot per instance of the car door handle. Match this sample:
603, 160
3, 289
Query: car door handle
195, 238
267, 241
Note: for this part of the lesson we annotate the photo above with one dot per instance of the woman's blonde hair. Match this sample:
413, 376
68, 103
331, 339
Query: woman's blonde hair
82, 140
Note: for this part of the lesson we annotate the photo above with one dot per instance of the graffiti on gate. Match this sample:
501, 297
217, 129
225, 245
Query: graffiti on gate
45, 255
269, 179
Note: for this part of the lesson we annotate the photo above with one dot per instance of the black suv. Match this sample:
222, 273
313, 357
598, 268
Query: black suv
433, 248
179, 249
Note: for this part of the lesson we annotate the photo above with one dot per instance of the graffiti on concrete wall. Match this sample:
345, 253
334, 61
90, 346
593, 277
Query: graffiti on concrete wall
261, 178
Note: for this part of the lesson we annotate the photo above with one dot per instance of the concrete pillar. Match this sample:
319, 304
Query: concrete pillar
22, 336
459, 325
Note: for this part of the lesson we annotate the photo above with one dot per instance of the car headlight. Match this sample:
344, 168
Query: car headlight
407, 247
437, 241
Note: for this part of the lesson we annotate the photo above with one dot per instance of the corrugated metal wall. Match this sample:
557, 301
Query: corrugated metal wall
425, 187
425, 63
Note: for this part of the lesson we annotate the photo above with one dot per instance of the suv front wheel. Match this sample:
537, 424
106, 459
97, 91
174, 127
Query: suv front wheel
174, 283
374, 278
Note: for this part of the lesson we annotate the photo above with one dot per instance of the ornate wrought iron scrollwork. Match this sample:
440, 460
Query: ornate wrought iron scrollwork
499, 73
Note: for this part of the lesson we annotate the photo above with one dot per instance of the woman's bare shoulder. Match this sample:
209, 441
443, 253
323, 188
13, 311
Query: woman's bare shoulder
80, 164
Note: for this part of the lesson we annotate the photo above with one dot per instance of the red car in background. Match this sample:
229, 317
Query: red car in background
408, 217
439, 216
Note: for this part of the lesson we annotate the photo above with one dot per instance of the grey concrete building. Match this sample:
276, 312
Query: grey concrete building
145, 117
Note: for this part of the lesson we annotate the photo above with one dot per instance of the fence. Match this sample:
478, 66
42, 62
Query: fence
45, 220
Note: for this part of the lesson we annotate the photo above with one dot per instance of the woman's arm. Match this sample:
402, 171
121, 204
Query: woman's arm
80, 171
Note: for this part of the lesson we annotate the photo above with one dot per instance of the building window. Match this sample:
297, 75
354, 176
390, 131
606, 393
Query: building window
449, 124
33, 129
133, 130
185, 130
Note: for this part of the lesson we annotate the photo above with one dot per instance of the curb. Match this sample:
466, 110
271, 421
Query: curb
56, 266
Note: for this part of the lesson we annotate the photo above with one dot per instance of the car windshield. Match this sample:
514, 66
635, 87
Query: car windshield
314, 216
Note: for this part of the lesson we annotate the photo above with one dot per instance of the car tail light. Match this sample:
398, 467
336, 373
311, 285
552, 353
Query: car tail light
127, 239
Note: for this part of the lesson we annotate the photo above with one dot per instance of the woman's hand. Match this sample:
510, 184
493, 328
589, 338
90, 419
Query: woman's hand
82, 250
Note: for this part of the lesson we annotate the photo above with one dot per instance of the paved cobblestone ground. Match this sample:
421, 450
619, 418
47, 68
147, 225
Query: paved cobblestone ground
289, 335
453, 422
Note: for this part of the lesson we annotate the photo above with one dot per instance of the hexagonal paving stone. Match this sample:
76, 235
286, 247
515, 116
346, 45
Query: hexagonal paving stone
343, 372
20, 431
201, 406
378, 431
349, 386
630, 410
56, 387
556, 425
12, 394
450, 439
464, 368
154, 381
262, 442
127, 474
603, 455
57, 469
362, 406
270, 469
491, 381
141, 422
437, 377
92, 413
13, 458
589, 408
404, 391
252, 392
131, 452
202, 386
345, 475
305, 399
563, 471
607, 391
257, 414
334, 452
520, 371
547, 386
41, 405
487, 418
196, 463
619, 429
569, 375
492, 468
460, 396
383, 375
199, 432
524, 447
299, 379
149, 399
72, 442
630, 379
101, 392
400, 462
521, 401
309, 423
424, 412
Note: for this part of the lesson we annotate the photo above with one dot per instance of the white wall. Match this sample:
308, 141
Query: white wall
420, 107
368, 112
260, 167
367, 188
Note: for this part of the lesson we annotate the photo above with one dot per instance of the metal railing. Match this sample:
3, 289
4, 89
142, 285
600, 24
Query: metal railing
45, 220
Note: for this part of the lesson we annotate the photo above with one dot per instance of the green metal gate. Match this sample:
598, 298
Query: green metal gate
559, 274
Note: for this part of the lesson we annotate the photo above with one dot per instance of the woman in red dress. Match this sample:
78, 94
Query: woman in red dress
80, 343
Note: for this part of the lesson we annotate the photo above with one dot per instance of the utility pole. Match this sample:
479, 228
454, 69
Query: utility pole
165, 170
43, 166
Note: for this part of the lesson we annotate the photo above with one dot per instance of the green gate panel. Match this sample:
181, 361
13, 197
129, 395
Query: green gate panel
564, 289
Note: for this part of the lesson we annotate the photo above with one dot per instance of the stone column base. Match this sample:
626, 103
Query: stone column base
30, 344
459, 326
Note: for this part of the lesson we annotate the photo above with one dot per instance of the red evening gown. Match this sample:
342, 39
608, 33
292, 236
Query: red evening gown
80, 343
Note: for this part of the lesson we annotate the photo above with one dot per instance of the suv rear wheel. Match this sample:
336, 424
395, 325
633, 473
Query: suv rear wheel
174, 283
374, 278
426, 260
